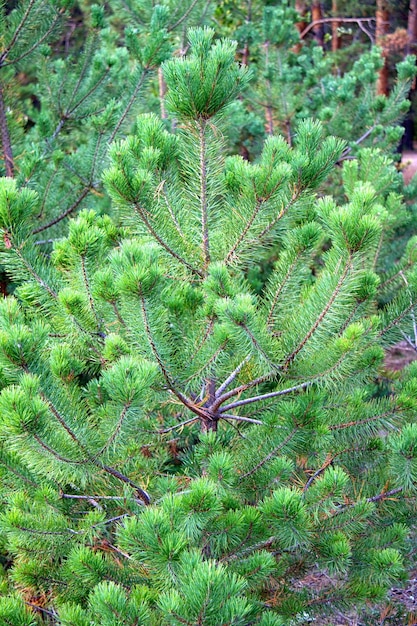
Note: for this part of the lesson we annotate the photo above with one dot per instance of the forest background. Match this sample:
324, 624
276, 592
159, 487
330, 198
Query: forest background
208, 251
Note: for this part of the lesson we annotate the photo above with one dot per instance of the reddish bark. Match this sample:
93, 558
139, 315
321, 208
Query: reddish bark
335, 28
382, 28
317, 16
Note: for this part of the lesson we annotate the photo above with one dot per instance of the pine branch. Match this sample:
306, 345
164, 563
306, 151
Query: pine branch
65, 214
31, 270
115, 433
183, 17
5, 138
230, 254
240, 418
89, 295
232, 376
129, 105
36, 45
17, 31
64, 425
113, 472
360, 21
322, 315
142, 214
384, 495
281, 287
238, 390
265, 396
269, 456
183, 399
180, 425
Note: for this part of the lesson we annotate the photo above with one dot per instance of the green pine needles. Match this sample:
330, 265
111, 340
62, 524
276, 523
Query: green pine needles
176, 449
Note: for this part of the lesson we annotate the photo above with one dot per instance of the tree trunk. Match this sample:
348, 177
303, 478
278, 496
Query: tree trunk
300, 7
412, 27
382, 27
335, 28
316, 16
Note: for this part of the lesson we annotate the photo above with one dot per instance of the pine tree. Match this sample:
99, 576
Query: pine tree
176, 449
78, 100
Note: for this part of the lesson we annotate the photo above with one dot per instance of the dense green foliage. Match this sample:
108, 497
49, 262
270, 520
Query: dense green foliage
177, 447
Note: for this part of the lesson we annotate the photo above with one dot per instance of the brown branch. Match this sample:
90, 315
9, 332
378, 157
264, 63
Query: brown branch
110, 470
239, 418
34, 274
113, 436
244, 232
280, 288
232, 376
65, 214
385, 494
35, 45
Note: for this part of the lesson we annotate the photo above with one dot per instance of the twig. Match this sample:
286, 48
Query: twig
73, 496
167, 430
385, 494
265, 396
63, 215
240, 418
183, 17
232, 376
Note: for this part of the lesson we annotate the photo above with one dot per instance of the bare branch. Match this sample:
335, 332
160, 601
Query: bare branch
240, 418
355, 20
232, 376
265, 396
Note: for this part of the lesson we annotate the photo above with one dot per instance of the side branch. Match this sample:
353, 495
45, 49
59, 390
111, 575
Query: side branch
65, 214
183, 399
320, 318
265, 396
163, 243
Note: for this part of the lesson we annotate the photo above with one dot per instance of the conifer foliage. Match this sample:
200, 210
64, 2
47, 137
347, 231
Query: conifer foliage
176, 449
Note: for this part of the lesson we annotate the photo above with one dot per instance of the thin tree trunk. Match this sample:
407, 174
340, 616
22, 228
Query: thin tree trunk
300, 7
335, 28
316, 15
382, 27
412, 27
5, 138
